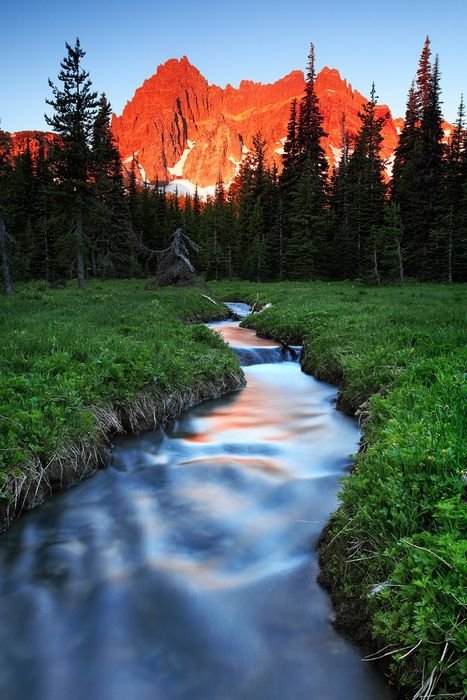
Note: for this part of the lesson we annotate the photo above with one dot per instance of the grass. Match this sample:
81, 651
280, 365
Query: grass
75, 365
394, 554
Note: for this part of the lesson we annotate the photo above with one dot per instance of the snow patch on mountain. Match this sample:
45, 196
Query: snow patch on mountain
177, 169
183, 187
337, 154
389, 165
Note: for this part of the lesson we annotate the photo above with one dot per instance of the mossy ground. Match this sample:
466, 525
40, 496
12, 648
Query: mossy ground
77, 364
395, 551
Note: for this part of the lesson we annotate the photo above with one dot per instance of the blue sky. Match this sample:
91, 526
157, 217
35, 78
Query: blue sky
228, 42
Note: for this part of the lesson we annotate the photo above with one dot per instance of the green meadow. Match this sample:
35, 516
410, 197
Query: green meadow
75, 365
394, 554
78, 365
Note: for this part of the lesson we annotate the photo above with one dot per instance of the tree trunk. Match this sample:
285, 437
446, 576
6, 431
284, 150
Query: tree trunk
281, 244
230, 261
7, 288
80, 249
46, 254
399, 258
375, 267
215, 255
450, 247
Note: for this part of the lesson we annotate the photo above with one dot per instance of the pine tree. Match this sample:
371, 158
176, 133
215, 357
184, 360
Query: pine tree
305, 218
367, 190
310, 126
290, 154
451, 233
44, 260
22, 208
424, 75
418, 170
111, 244
342, 248
305, 181
392, 242
5, 196
430, 169
74, 105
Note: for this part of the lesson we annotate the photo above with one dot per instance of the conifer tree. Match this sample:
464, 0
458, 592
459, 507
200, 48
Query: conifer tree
342, 250
367, 190
451, 233
305, 218
424, 75
430, 170
44, 261
5, 195
290, 154
111, 245
22, 207
418, 170
305, 181
74, 105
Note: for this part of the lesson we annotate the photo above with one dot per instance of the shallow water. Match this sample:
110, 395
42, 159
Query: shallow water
187, 569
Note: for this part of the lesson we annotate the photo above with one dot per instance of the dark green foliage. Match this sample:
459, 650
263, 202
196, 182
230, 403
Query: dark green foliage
112, 247
304, 186
366, 193
74, 105
418, 184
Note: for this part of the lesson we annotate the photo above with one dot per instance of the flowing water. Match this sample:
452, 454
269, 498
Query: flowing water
187, 569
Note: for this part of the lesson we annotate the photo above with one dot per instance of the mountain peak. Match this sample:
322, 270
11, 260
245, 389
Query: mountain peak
180, 128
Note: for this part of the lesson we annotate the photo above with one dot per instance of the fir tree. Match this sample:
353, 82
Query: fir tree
451, 233
111, 244
305, 218
305, 181
74, 105
343, 262
5, 198
367, 190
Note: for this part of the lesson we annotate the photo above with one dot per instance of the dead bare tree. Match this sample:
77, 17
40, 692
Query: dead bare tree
174, 266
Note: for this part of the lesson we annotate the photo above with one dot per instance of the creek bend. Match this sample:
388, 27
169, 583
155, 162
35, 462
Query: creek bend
187, 569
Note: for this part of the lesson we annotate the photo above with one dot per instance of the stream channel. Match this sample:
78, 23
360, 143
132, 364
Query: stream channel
187, 569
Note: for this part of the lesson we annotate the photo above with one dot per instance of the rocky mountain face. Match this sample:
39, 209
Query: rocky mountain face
16, 143
178, 127
181, 130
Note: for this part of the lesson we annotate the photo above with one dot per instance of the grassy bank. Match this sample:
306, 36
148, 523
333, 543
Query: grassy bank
78, 365
394, 554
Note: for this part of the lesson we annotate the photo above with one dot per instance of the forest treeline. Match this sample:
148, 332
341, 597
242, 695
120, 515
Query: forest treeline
70, 210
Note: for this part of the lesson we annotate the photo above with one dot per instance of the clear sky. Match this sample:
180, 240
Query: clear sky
227, 40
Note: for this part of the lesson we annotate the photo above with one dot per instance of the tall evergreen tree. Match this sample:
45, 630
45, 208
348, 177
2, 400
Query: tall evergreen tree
111, 244
451, 233
367, 191
5, 197
74, 105
418, 169
343, 260
304, 180
430, 169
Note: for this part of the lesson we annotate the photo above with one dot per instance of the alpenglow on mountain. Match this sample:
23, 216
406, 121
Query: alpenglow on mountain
182, 130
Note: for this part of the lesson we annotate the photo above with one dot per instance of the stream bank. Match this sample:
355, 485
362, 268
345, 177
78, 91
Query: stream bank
395, 550
78, 367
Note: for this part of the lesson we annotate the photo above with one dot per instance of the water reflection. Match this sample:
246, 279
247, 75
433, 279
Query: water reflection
186, 570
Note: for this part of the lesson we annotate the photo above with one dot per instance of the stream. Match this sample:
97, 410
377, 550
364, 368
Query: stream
187, 569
